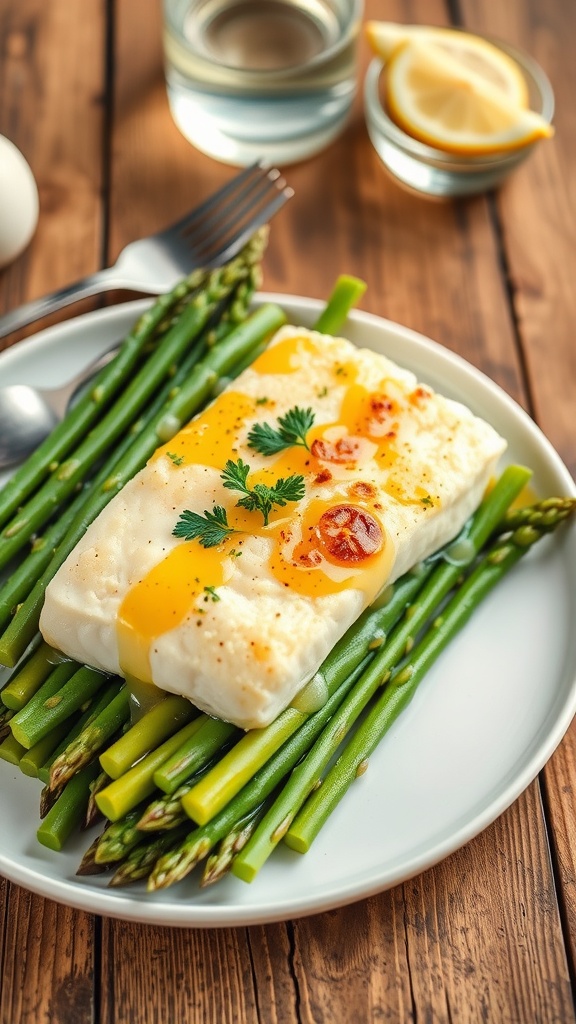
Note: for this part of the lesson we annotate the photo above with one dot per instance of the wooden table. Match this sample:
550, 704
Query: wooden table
490, 933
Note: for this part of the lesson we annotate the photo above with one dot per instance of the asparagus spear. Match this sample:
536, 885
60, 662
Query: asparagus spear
161, 721
197, 844
37, 755
89, 711
64, 479
545, 515
11, 750
69, 809
210, 737
122, 794
5, 716
118, 838
79, 419
227, 777
165, 812
93, 814
82, 749
39, 716
193, 393
499, 559
88, 865
28, 677
345, 294
54, 682
220, 863
141, 859
48, 798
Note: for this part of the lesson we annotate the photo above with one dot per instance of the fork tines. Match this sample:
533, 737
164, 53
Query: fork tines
219, 228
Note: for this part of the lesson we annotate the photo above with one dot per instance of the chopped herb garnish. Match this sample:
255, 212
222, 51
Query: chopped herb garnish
235, 475
211, 593
176, 459
427, 500
210, 529
261, 498
323, 392
291, 430
262, 401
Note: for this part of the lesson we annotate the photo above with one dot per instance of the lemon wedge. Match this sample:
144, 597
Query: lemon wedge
472, 52
439, 100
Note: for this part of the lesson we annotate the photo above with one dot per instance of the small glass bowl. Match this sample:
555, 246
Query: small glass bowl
432, 172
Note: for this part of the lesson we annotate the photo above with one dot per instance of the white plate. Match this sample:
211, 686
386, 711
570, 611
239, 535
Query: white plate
481, 726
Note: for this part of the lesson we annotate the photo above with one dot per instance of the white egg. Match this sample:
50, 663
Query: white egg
18, 202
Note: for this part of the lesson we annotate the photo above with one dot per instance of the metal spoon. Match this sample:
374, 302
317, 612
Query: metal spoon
28, 414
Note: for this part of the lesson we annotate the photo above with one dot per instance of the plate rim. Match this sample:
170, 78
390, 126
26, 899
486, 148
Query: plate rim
146, 910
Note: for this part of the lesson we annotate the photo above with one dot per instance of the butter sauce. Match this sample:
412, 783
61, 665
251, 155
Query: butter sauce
187, 579
312, 696
143, 696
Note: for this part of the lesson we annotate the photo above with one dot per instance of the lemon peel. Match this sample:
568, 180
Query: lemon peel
474, 52
438, 100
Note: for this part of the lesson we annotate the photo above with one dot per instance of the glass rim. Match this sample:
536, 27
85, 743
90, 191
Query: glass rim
349, 30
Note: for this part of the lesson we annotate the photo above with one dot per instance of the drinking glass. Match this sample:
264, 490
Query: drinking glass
270, 79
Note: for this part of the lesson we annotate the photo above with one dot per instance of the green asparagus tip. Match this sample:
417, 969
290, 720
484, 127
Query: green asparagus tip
11, 750
296, 842
345, 294
245, 872
47, 837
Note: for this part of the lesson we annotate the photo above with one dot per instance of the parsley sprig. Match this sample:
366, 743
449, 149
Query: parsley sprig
261, 498
291, 430
212, 527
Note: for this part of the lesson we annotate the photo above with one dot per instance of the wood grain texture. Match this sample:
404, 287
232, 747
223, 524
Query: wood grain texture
479, 937
52, 82
444, 947
161, 974
538, 221
46, 963
538, 215
51, 90
560, 798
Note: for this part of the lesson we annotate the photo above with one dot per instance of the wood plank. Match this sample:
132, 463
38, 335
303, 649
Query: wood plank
47, 962
538, 217
442, 947
496, 953
538, 210
559, 792
52, 84
160, 974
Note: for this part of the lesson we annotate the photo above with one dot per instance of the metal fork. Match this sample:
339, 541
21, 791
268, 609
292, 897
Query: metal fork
207, 237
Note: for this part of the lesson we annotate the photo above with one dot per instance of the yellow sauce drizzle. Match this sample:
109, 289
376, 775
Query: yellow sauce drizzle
176, 587
143, 696
211, 438
162, 599
284, 356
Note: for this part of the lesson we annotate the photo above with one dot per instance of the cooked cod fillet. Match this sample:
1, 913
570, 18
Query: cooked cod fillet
238, 611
